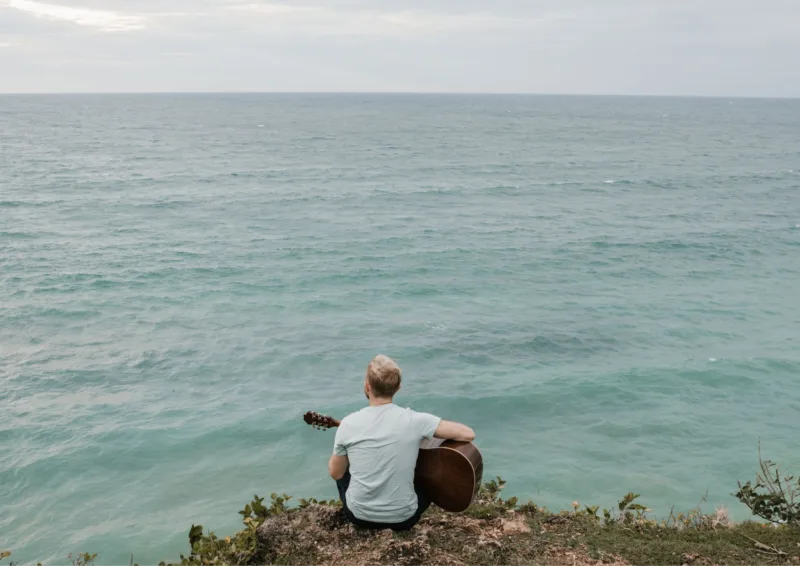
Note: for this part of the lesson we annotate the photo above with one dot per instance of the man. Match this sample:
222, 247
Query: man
375, 453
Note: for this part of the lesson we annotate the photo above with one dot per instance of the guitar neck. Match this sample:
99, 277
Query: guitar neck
320, 421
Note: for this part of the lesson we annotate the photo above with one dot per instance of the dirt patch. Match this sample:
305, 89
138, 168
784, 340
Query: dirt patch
322, 535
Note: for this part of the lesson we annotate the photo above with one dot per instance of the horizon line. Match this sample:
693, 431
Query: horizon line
400, 93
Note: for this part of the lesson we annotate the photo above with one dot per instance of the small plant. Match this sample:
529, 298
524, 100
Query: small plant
626, 504
530, 508
82, 559
195, 534
697, 520
278, 504
587, 511
488, 504
591, 511
630, 513
258, 512
490, 490
774, 496
489, 495
694, 519
255, 509
302, 503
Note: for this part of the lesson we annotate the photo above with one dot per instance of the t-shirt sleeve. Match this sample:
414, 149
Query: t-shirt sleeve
425, 424
340, 442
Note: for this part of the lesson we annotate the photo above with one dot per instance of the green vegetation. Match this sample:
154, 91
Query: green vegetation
502, 531
84, 559
773, 497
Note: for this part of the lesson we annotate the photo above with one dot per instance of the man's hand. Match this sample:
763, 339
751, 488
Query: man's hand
449, 430
337, 466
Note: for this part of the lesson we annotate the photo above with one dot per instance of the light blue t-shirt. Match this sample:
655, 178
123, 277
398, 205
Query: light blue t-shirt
382, 444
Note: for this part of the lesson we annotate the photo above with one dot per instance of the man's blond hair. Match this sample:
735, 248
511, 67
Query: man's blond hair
383, 376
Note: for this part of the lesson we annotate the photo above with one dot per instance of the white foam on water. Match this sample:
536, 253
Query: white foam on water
712, 359
609, 182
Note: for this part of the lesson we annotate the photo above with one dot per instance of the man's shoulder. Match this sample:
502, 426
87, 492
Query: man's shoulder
355, 414
354, 417
408, 412
414, 413
367, 415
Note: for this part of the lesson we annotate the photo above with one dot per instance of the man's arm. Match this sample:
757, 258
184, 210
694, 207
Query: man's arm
337, 466
449, 430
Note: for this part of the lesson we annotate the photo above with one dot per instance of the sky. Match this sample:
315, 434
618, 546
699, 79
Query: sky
654, 47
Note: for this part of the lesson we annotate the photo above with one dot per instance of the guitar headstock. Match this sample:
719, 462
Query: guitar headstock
320, 422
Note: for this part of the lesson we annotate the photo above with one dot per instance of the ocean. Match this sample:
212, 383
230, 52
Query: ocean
607, 289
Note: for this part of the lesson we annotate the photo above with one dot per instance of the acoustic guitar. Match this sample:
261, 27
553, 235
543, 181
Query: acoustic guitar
448, 471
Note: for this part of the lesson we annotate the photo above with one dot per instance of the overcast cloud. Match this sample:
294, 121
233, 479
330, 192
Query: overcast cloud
695, 47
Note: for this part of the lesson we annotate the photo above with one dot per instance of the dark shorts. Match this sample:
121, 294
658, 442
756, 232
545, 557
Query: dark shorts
423, 502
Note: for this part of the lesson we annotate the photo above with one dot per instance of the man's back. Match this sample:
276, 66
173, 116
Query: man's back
382, 444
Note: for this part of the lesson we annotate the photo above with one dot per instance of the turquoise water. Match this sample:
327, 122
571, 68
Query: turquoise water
606, 289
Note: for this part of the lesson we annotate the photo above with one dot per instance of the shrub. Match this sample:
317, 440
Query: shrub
774, 496
240, 548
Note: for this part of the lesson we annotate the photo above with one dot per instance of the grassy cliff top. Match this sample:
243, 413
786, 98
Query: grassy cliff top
496, 531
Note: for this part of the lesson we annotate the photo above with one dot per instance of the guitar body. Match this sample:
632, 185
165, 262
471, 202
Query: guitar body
448, 471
